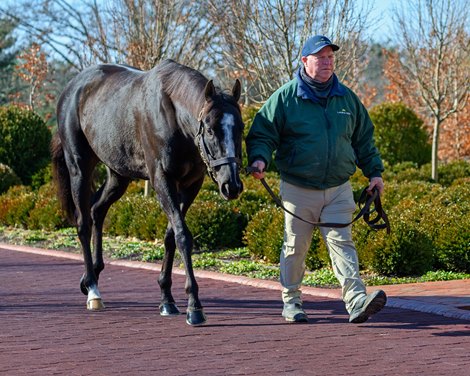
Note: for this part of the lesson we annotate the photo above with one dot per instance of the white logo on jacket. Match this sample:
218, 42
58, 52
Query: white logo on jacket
344, 112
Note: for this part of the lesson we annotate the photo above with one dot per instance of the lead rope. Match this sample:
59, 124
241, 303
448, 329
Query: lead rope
365, 203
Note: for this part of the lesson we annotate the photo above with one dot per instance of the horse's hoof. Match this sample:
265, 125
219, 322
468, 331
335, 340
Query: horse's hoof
169, 309
94, 305
195, 317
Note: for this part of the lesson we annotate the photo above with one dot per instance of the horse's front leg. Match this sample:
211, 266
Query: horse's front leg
168, 306
175, 204
194, 314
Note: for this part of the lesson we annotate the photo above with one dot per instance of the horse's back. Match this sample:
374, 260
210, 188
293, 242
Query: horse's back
100, 105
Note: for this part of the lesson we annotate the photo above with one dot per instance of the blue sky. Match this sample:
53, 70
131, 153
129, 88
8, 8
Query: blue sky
381, 13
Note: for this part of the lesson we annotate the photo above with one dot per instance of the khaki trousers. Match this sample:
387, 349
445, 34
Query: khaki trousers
330, 205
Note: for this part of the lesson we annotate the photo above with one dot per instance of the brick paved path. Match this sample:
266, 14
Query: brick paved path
46, 330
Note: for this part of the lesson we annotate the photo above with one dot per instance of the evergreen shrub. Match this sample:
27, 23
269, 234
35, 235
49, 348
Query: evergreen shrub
448, 224
408, 250
448, 173
135, 215
41, 177
264, 236
400, 134
24, 141
46, 213
8, 178
214, 225
15, 206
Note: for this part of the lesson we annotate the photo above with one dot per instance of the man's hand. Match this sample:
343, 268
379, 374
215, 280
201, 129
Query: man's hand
260, 165
377, 183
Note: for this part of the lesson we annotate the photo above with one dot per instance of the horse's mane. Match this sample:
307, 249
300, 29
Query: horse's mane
182, 84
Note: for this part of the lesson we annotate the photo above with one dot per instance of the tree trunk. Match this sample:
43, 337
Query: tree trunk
435, 148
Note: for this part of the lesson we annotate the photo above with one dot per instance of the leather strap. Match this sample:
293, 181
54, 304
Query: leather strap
368, 204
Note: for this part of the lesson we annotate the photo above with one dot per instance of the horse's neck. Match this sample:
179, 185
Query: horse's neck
187, 119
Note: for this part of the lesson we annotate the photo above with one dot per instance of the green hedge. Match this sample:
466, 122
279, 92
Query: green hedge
430, 222
264, 236
24, 141
400, 134
8, 178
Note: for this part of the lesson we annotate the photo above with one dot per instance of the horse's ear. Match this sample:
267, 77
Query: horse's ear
237, 90
210, 90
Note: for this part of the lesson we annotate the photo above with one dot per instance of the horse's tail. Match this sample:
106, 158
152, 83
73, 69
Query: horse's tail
61, 176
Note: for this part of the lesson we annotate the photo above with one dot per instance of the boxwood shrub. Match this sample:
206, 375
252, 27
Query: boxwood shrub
214, 225
15, 206
135, 215
264, 237
46, 213
8, 178
448, 224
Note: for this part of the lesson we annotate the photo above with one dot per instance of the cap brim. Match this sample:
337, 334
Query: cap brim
333, 46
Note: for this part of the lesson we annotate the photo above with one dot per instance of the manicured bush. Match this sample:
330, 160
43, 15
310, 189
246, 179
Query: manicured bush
264, 234
408, 250
409, 171
24, 141
429, 230
42, 177
15, 206
418, 191
136, 216
400, 134
430, 222
264, 237
448, 224
46, 213
8, 178
450, 172
405, 171
214, 225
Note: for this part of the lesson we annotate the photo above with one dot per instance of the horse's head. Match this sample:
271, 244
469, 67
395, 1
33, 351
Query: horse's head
220, 139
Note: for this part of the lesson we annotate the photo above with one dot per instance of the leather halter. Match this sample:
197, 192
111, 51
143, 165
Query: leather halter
206, 156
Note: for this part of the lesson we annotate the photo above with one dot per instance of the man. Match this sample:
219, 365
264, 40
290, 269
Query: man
319, 131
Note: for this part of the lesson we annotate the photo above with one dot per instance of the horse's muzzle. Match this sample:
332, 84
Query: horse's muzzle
229, 182
231, 191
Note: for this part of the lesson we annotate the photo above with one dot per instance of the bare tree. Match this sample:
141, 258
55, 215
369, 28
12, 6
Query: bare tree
147, 31
74, 32
261, 40
136, 32
434, 61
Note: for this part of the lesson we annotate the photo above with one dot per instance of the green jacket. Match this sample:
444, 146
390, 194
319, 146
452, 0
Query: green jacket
317, 147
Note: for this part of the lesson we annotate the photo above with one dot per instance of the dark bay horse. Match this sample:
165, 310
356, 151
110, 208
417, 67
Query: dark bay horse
168, 125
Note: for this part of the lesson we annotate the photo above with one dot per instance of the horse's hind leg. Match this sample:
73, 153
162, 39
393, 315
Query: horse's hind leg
81, 162
111, 191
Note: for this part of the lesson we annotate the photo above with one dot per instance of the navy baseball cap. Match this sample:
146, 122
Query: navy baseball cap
316, 43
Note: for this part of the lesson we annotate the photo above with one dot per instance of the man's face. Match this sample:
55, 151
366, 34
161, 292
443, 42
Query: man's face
320, 66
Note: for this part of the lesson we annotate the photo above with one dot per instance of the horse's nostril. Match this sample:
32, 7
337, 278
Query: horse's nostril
230, 191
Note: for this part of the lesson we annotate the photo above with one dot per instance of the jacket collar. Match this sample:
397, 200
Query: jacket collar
304, 92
